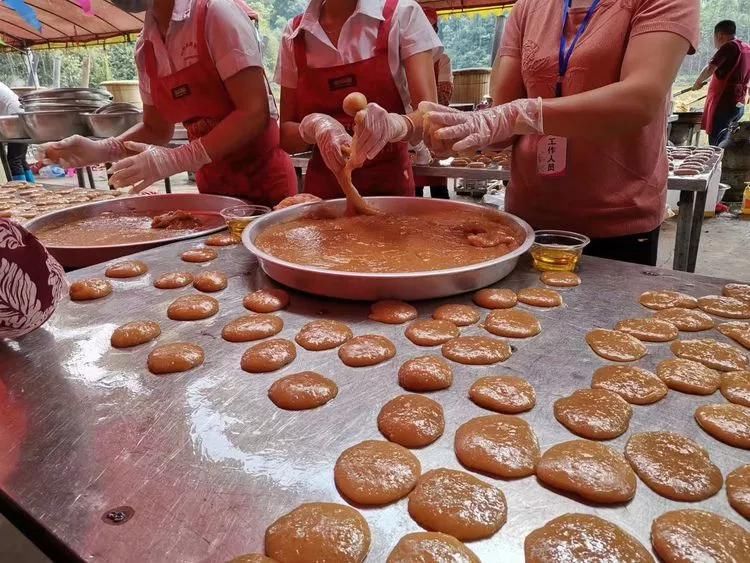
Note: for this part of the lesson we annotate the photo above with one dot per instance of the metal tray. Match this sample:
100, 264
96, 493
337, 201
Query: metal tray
80, 256
367, 286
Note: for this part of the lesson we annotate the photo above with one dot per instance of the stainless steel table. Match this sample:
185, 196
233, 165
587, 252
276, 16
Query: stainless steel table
207, 462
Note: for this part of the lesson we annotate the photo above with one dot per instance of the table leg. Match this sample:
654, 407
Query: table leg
79, 175
90, 175
684, 223
167, 185
6, 164
696, 230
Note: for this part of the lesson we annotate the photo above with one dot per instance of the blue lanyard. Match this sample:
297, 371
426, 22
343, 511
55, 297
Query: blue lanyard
565, 52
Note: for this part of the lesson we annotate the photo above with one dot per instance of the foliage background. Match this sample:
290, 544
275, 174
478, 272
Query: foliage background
468, 40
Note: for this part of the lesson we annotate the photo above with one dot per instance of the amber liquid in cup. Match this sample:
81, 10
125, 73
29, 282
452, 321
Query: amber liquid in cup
555, 259
240, 216
558, 251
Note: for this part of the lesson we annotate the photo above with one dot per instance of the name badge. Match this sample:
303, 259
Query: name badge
552, 156
180, 91
342, 82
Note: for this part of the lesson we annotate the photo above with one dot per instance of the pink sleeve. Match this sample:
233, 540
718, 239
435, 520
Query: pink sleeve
512, 32
676, 16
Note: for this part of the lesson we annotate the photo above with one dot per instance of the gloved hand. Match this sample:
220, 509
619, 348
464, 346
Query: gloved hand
422, 155
330, 136
374, 128
473, 130
77, 151
152, 164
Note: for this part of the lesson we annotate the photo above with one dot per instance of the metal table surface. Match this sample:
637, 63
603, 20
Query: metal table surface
207, 462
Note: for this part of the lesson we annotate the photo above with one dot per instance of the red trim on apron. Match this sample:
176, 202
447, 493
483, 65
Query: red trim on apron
718, 86
197, 97
322, 90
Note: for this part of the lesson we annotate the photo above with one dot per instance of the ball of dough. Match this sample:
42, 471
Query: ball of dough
354, 103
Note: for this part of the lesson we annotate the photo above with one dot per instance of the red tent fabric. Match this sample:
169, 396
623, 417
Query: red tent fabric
65, 23
442, 5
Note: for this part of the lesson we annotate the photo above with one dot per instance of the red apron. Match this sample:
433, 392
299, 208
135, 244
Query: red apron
322, 90
718, 86
422, 181
259, 171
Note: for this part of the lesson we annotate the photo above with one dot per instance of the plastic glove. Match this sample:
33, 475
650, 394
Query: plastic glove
374, 128
77, 151
152, 164
479, 129
422, 155
330, 136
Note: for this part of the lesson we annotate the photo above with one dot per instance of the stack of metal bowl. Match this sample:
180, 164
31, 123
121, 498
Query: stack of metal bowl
51, 115
113, 119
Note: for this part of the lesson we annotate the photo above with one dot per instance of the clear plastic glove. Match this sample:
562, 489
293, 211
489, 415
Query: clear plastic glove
331, 138
374, 128
77, 151
152, 164
422, 155
473, 130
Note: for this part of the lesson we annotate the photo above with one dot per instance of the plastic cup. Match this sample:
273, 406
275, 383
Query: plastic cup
558, 251
240, 216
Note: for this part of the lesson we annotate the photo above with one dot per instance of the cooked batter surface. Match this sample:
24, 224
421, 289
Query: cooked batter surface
686, 320
590, 470
434, 240
636, 385
135, 333
457, 503
425, 373
319, 531
431, 547
712, 354
114, 228
302, 391
697, 535
673, 466
738, 490
596, 414
735, 387
726, 422
413, 421
499, 444
376, 472
583, 537
505, 394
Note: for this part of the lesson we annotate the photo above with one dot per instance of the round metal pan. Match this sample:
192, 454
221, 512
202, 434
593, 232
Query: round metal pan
80, 256
373, 286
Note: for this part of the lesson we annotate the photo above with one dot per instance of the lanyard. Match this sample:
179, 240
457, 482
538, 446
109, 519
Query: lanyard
565, 52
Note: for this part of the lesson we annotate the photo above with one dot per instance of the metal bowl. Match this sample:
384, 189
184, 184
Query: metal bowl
46, 126
81, 256
59, 106
65, 94
111, 124
11, 127
373, 286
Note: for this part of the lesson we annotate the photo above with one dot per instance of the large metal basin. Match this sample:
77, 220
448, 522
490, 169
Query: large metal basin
371, 287
44, 126
80, 256
11, 127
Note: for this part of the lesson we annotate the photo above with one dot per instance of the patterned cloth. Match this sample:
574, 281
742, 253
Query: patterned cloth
31, 281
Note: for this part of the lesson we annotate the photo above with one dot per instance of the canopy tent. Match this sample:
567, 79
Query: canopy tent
64, 23
464, 5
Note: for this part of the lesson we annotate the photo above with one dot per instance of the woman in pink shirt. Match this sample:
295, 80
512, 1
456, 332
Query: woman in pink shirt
582, 89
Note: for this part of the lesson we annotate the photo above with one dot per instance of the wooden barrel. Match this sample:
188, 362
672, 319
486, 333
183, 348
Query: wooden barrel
471, 85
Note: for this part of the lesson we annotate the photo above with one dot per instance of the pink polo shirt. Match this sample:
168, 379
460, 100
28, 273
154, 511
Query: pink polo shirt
614, 186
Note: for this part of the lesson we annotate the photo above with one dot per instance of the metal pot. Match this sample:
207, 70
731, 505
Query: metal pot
46, 126
64, 94
11, 127
373, 286
111, 124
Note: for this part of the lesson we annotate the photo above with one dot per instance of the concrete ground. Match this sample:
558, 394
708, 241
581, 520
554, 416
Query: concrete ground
724, 253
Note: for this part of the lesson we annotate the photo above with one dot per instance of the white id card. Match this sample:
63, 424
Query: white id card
551, 156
